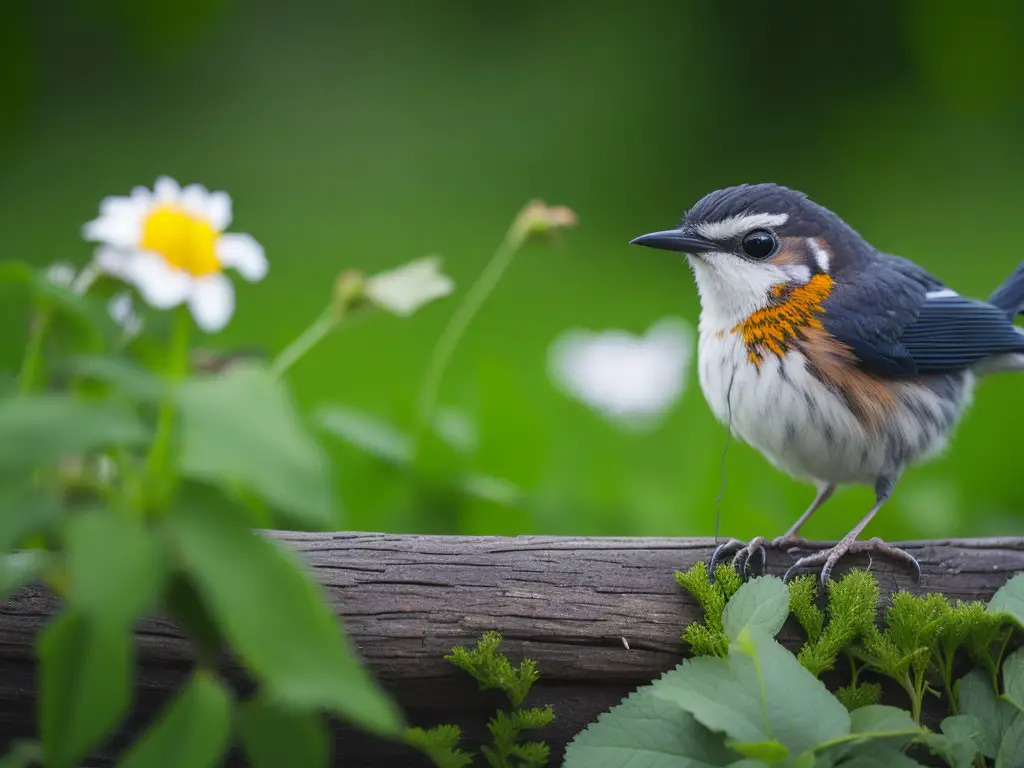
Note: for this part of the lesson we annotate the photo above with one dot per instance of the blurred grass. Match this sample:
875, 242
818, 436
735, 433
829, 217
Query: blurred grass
368, 134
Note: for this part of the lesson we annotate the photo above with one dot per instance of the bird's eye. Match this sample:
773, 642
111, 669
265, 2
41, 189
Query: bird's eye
759, 244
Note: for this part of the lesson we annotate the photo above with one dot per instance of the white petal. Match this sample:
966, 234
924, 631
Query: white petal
142, 196
242, 252
112, 261
407, 288
218, 210
166, 190
61, 273
212, 302
161, 286
123, 228
193, 199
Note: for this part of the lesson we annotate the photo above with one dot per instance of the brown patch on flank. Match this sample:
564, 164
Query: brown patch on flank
871, 399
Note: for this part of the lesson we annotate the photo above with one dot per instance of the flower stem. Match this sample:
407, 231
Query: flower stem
33, 359
177, 369
309, 338
453, 332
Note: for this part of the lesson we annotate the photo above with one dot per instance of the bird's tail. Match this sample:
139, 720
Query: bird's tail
1009, 296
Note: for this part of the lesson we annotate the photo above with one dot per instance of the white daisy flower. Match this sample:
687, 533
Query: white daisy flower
407, 288
631, 380
170, 244
122, 311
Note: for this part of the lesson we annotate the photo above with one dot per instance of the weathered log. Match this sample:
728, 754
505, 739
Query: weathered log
600, 616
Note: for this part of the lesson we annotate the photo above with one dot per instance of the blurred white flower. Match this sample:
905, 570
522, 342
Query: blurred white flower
64, 274
407, 288
122, 311
632, 380
169, 244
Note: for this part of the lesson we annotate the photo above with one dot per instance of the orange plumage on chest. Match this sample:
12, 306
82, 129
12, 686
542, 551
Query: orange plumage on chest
775, 327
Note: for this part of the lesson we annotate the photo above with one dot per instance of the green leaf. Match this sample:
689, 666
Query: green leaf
276, 618
456, 428
123, 374
895, 726
879, 719
761, 603
85, 686
20, 568
241, 426
650, 731
1013, 678
116, 567
758, 693
957, 744
975, 697
366, 432
87, 312
40, 429
193, 730
770, 752
875, 754
22, 754
1009, 600
24, 511
1011, 747
274, 736
184, 605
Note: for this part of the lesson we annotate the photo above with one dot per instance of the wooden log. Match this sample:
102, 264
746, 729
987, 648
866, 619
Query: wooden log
600, 616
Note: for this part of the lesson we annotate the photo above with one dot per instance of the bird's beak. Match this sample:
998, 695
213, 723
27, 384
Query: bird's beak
676, 240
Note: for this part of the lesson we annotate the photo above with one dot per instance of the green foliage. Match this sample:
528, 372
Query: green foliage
850, 615
492, 670
440, 744
708, 638
274, 735
130, 485
751, 702
193, 730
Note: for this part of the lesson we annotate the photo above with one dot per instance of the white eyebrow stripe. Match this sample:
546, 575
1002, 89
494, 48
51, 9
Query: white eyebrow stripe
821, 255
736, 225
942, 293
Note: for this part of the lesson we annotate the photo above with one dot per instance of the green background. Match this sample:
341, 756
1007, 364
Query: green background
366, 134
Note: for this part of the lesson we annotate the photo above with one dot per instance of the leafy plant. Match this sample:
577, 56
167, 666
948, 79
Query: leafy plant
134, 474
745, 700
492, 669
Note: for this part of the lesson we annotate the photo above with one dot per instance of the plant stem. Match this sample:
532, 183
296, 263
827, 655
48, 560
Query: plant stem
177, 369
309, 338
32, 361
453, 332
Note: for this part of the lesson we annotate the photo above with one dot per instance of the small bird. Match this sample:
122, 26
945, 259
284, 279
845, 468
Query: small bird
839, 363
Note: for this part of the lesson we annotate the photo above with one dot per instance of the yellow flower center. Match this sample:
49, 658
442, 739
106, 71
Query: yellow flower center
185, 241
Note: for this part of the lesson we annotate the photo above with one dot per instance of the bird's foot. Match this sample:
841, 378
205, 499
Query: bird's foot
828, 558
751, 558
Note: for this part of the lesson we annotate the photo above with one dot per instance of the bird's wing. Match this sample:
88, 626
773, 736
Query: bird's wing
900, 321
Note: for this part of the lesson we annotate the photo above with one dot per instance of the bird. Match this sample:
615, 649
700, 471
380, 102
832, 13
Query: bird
839, 363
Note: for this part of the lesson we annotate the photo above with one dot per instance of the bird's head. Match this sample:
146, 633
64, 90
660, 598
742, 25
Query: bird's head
749, 244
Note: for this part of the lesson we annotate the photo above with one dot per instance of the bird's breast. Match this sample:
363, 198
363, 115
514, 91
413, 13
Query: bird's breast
813, 417
790, 314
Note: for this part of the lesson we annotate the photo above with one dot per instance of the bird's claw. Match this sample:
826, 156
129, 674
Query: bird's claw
751, 558
829, 558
